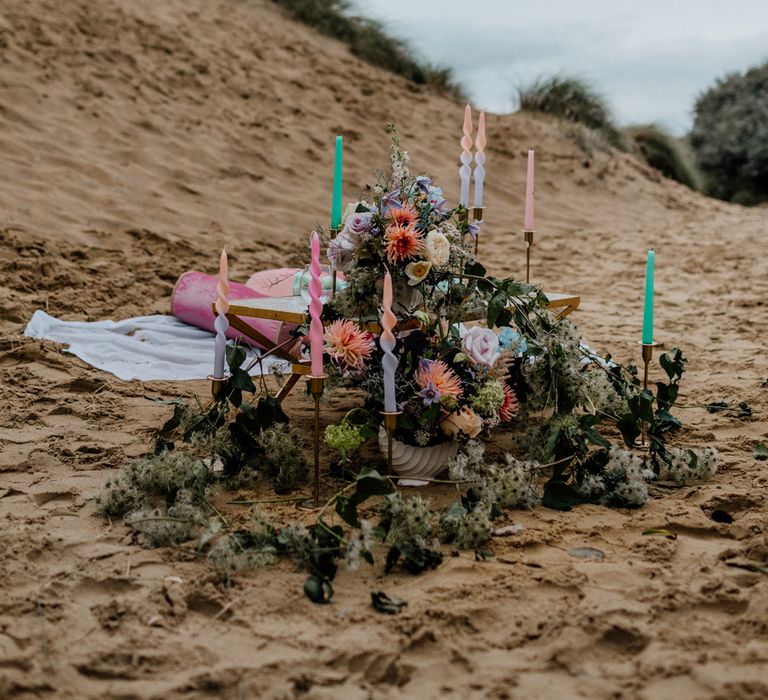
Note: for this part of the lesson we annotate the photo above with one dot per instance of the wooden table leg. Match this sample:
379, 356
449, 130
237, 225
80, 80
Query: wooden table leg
286, 388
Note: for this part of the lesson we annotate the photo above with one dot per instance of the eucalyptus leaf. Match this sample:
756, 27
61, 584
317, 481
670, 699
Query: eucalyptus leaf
318, 590
761, 452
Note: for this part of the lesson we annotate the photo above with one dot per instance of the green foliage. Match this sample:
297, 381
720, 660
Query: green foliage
369, 41
283, 456
730, 136
572, 99
661, 150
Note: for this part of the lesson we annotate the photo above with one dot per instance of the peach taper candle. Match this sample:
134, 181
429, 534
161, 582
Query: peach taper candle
315, 309
465, 172
221, 324
480, 161
388, 342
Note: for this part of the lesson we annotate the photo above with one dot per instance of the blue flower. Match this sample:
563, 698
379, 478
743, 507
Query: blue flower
512, 339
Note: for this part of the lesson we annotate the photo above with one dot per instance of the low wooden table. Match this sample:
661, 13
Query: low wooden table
295, 309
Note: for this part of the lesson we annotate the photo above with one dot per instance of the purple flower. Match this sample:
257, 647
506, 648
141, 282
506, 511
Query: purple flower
474, 228
436, 200
390, 200
423, 183
430, 394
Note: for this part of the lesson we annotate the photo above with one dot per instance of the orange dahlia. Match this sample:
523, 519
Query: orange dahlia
347, 344
510, 406
402, 243
435, 374
405, 216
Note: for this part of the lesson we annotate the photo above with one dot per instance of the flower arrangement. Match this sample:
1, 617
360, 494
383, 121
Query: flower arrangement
451, 379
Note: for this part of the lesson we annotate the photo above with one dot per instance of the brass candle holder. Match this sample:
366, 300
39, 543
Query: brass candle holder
647, 357
334, 233
390, 425
217, 386
528, 234
316, 385
477, 215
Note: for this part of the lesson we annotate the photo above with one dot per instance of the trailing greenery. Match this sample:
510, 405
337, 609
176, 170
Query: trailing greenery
730, 136
574, 100
369, 41
670, 155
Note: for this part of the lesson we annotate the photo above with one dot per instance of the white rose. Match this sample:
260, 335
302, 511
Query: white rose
481, 346
437, 249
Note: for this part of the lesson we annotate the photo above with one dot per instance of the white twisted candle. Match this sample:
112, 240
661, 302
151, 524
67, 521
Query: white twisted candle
221, 324
466, 157
388, 342
480, 160
316, 309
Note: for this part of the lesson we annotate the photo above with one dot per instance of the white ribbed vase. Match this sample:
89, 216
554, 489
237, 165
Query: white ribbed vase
413, 462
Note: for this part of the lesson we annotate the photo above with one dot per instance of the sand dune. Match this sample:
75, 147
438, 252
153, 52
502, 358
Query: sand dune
138, 137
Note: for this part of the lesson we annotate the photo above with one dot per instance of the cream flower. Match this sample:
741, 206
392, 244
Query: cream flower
417, 271
437, 249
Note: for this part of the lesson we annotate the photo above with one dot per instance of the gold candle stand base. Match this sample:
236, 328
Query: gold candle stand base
316, 385
477, 215
334, 233
217, 386
528, 234
647, 357
390, 425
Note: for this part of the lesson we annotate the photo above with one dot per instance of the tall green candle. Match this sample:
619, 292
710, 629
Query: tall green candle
336, 208
648, 309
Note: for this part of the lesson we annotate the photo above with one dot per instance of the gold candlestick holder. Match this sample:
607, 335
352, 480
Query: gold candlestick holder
390, 425
477, 215
316, 385
528, 234
334, 233
647, 357
217, 387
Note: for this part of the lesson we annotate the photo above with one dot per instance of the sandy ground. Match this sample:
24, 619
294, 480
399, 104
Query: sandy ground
135, 139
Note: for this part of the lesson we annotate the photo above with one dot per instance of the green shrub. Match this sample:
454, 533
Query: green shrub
572, 99
730, 136
663, 151
368, 40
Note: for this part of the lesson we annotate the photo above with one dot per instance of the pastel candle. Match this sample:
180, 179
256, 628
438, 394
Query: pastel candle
337, 170
466, 158
221, 324
315, 309
528, 225
648, 308
387, 342
480, 160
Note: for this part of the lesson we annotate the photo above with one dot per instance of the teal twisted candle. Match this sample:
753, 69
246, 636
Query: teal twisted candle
387, 341
648, 307
337, 170
315, 309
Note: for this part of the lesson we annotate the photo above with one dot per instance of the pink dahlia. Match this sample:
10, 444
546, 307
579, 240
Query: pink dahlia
346, 343
435, 375
510, 406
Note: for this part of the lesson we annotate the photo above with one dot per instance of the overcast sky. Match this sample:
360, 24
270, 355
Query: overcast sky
650, 58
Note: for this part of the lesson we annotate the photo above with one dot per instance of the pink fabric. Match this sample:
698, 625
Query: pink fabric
194, 294
274, 283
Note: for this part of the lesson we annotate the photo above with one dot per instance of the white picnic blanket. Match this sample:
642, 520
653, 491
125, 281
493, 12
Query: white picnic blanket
145, 348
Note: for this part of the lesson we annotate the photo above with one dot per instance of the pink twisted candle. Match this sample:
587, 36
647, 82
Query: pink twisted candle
315, 309
528, 225
480, 160
387, 342
221, 324
466, 157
